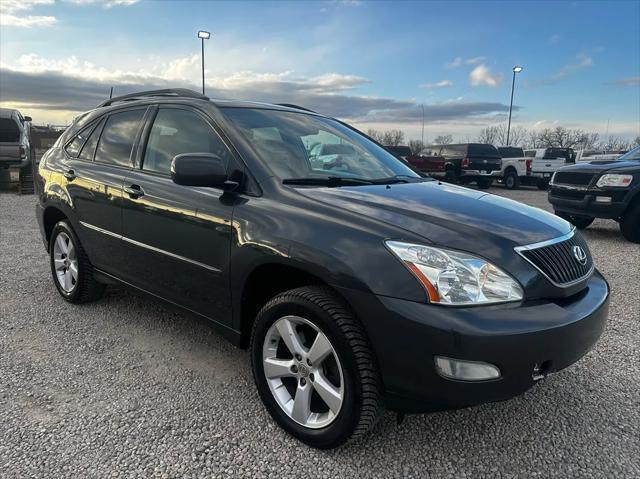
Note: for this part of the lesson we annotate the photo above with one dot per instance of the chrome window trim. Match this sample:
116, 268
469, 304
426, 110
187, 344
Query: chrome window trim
541, 244
149, 247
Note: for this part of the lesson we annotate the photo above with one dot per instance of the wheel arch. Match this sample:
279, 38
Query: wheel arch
50, 217
266, 281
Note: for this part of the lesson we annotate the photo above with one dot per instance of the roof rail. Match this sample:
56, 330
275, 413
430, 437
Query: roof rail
291, 105
167, 92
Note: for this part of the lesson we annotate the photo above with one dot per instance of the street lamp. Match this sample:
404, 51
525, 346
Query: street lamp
516, 69
202, 35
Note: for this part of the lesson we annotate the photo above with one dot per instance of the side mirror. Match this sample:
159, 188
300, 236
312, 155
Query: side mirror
199, 169
27, 118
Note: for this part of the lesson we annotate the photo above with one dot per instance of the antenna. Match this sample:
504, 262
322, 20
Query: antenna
111, 94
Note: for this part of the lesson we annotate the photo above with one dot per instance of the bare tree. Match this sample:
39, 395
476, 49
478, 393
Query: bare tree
392, 137
443, 140
497, 135
636, 141
375, 134
489, 135
416, 146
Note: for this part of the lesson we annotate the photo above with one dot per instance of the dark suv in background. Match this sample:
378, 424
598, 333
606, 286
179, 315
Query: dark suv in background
468, 162
600, 189
356, 283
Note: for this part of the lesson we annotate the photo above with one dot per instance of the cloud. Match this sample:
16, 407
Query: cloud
481, 75
440, 84
72, 85
458, 61
455, 63
583, 61
628, 81
475, 60
13, 14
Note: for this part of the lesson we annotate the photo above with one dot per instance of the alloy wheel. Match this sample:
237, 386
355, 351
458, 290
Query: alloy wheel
303, 372
65, 262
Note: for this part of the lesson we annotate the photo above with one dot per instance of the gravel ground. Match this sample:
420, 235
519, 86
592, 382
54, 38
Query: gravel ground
126, 387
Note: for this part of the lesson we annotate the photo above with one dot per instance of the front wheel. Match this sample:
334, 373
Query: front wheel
630, 223
580, 222
314, 369
543, 184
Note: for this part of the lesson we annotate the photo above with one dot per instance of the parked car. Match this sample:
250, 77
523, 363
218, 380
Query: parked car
15, 142
593, 155
516, 168
600, 189
401, 151
353, 289
546, 162
427, 162
468, 162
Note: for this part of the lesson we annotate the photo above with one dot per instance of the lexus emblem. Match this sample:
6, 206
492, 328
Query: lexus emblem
580, 255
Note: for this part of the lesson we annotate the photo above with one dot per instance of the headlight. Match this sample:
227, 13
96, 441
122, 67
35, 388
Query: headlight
454, 278
614, 180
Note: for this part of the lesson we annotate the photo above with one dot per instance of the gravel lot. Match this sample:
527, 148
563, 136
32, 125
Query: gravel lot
127, 387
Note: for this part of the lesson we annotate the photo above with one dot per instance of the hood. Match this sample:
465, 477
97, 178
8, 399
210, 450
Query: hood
448, 215
600, 166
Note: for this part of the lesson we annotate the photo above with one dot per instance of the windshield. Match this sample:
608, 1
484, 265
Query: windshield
631, 155
298, 145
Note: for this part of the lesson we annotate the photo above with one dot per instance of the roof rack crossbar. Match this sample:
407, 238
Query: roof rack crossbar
170, 92
291, 105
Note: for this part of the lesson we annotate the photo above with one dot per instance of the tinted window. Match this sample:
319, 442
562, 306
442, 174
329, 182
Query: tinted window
118, 137
9, 131
510, 152
89, 148
552, 153
298, 149
75, 145
180, 131
483, 151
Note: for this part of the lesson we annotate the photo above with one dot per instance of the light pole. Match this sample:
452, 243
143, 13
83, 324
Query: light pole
422, 124
516, 69
202, 35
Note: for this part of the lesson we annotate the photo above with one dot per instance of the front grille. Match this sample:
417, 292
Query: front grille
573, 178
570, 194
557, 261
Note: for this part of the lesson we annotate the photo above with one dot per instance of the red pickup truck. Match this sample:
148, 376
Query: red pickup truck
428, 162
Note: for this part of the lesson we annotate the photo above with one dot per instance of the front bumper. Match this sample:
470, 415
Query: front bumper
518, 339
584, 202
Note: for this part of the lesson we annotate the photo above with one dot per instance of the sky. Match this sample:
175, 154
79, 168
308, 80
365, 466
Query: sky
373, 63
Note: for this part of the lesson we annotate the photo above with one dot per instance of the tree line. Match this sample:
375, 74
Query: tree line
559, 137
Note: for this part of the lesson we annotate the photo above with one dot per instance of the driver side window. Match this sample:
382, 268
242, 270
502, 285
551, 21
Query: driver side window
176, 131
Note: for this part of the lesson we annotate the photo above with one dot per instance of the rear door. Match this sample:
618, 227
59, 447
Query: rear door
178, 238
97, 161
552, 159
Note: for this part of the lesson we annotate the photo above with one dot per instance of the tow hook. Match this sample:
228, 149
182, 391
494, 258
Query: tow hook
541, 371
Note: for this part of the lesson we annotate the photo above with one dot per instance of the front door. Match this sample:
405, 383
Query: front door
178, 237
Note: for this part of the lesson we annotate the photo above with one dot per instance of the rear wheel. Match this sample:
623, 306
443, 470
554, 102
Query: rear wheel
484, 183
580, 222
451, 176
511, 180
630, 223
314, 369
72, 272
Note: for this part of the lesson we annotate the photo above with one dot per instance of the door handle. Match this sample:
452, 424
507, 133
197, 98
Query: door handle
134, 191
70, 175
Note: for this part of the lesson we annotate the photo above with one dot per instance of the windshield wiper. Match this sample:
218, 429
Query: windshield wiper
330, 181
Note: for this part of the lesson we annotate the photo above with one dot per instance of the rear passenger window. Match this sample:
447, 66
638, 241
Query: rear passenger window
118, 137
89, 148
75, 145
175, 132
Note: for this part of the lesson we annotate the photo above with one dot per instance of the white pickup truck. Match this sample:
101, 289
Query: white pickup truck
546, 161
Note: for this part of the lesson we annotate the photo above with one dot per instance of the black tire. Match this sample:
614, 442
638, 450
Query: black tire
580, 222
451, 176
362, 403
511, 180
630, 223
543, 184
86, 288
484, 183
